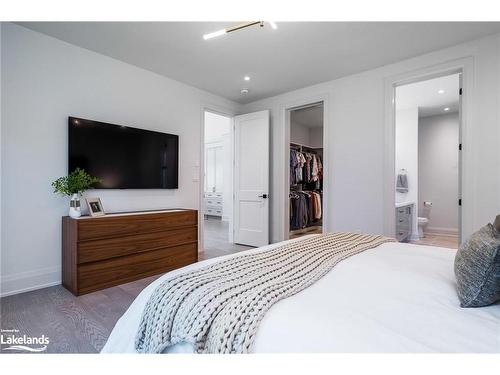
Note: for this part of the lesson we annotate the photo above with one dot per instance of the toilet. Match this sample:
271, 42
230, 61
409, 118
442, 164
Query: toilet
423, 221
422, 224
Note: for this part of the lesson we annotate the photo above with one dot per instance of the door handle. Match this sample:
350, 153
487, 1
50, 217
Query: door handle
265, 196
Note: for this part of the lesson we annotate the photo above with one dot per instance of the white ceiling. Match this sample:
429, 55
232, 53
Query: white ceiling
310, 117
426, 97
296, 55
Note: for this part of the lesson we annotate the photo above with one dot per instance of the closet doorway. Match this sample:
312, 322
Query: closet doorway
306, 170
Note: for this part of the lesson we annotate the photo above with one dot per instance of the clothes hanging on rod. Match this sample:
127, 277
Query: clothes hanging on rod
305, 167
305, 209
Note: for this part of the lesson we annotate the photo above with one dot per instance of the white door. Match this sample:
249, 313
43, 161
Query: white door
251, 179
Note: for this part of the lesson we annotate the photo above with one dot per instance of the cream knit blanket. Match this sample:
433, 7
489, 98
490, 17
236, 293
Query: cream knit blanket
218, 308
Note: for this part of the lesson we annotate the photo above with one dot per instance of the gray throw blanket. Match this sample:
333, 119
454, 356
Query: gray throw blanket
218, 308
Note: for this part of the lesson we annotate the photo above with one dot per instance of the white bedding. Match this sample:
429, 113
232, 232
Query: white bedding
394, 298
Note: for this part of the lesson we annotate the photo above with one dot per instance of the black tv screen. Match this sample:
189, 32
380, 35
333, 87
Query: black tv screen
123, 157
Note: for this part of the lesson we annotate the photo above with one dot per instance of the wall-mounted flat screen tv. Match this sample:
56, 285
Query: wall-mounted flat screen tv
123, 157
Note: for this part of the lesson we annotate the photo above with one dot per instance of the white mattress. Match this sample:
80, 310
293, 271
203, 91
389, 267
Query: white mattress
394, 298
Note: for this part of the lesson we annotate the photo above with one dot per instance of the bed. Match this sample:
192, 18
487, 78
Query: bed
393, 298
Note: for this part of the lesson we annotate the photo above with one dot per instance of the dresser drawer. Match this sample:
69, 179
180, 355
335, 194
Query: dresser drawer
99, 275
213, 195
95, 250
213, 211
403, 212
123, 225
403, 222
213, 201
214, 207
402, 235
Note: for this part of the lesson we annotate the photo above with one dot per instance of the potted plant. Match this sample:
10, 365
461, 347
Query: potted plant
74, 185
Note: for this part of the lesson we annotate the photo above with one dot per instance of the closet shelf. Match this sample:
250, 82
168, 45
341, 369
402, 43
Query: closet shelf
306, 146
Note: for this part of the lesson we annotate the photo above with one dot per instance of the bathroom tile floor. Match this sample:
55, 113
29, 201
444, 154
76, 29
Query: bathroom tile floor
438, 240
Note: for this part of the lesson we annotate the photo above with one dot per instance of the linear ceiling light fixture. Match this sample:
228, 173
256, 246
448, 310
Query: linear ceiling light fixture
237, 27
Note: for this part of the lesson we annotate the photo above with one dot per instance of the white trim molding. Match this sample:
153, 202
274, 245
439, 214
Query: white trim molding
223, 111
284, 119
31, 280
465, 66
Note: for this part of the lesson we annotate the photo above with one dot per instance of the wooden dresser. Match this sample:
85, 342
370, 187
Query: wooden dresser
100, 252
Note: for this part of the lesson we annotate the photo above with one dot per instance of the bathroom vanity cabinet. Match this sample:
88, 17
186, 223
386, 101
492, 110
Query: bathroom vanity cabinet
403, 222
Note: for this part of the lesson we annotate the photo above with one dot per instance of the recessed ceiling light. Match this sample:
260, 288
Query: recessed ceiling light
246, 78
441, 91
244, 91
447, 109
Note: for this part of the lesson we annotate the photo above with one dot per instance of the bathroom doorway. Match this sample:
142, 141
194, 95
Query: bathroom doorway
217, 186
428, 161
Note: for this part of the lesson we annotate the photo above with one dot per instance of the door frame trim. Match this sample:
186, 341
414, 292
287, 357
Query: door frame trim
285, 109
218, 110
465, 66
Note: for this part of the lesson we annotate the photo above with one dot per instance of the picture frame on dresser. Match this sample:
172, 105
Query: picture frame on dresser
95, 207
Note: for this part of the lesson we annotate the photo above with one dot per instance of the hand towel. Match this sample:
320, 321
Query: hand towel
402, 183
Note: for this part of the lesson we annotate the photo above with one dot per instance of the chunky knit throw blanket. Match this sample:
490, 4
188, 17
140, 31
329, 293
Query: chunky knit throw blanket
218, 308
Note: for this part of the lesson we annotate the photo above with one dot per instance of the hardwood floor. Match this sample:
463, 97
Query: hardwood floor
216, 239
448, 241
83, 324
73, 324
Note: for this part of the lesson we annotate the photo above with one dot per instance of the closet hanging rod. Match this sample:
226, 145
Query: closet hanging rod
304, 146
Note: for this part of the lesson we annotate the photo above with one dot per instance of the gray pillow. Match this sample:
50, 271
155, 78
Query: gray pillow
477, 268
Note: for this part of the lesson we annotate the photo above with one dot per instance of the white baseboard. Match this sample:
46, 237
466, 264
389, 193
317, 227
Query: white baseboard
442, 231
28, 281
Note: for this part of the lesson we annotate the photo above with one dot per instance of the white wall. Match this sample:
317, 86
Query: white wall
304, 135
45, 81
299, 133
406, 147
316, 137
438, 170
355, 113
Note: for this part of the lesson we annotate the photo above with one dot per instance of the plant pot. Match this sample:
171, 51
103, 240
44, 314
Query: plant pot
75, 210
